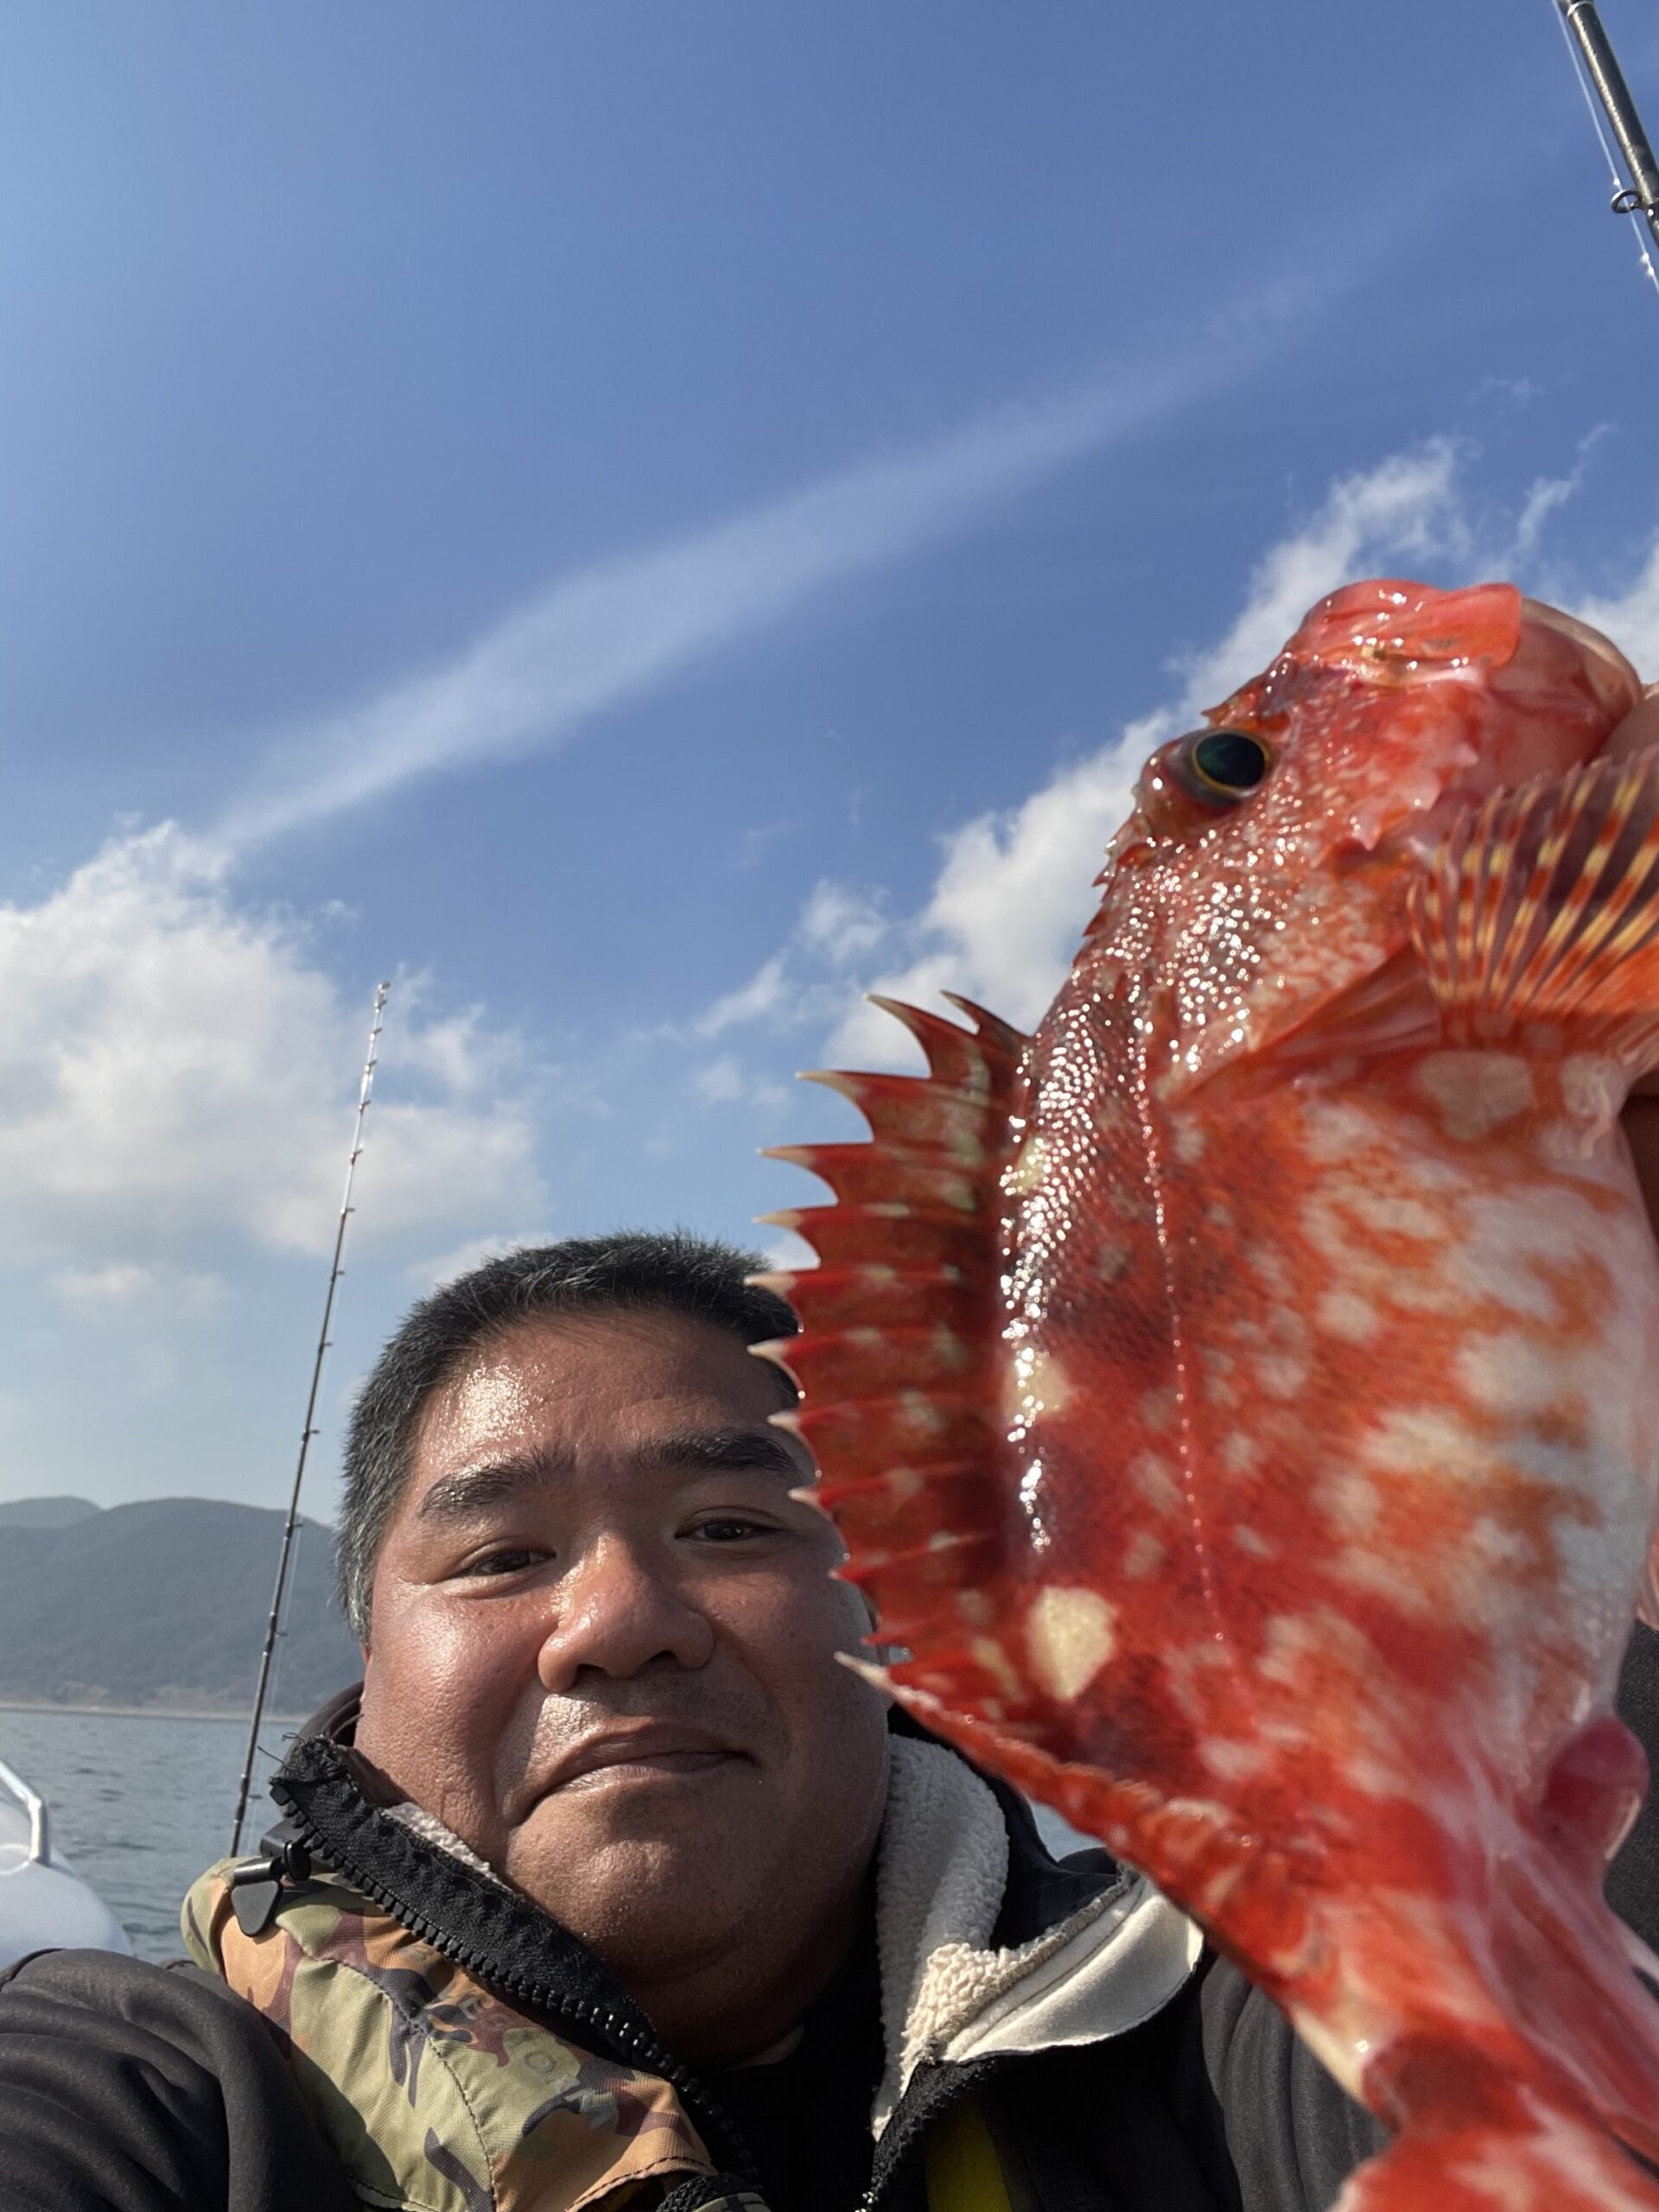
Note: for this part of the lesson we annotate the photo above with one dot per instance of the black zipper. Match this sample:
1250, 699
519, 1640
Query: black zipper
621, 2034
926, 2097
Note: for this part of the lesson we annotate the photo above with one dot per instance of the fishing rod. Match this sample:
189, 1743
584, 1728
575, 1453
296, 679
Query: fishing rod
1602, 82
291, 1528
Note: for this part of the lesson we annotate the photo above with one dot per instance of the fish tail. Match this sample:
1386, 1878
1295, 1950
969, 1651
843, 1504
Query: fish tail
1516, 2148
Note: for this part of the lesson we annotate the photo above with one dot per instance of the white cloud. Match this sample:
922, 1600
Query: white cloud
720, 1082
842, 923
768, 995
613, 632
1631, 618
177, 1066
129, 1288
1407, 507
726, 1081
1008, 904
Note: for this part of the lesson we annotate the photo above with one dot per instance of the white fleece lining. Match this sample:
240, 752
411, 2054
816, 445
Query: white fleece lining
430, 1829
941, 1870
945, 1993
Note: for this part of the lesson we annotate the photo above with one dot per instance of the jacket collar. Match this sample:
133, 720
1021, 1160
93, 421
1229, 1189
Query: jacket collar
989, 1947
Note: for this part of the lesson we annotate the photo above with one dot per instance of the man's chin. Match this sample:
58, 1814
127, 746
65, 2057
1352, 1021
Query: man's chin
633, 1892
676, 1815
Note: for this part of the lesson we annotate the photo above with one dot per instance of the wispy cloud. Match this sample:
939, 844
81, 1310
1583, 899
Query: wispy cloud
609, 633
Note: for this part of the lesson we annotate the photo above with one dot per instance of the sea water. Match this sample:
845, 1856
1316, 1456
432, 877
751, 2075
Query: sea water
141, 1804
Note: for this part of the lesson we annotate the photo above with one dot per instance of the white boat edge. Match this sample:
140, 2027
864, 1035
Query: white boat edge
44, 1904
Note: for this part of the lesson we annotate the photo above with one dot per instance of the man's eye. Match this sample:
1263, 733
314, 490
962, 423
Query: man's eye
731, 1528
503, 1562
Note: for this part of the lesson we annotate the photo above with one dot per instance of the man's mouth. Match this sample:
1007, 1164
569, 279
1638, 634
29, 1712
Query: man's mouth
637, 1757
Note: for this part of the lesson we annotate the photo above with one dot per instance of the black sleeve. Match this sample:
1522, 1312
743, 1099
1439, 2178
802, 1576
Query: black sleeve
1633, 1877
129, 2087
1294, 2135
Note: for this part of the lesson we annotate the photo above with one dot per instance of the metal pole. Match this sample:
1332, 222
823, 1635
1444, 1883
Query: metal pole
1641, 196
309, 1430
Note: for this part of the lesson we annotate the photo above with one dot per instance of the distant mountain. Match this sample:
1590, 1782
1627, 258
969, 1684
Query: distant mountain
45, 1512
163, 1603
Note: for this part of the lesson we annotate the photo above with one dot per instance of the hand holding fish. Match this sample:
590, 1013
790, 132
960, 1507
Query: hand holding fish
1241, 1398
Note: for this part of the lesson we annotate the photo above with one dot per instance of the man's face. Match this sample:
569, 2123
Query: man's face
604, 1647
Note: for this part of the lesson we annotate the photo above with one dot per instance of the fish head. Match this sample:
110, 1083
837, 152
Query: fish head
1278, 840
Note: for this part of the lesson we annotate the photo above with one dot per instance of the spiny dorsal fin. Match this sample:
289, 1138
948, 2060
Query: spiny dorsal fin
899, 1356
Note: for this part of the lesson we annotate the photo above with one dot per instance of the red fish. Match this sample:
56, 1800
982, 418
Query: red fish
1240, 1399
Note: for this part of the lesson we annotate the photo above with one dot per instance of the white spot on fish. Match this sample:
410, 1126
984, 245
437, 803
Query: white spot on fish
919, 1412
996, 1662
1253, 1542
1398, 1215
1334, 1132
1511, 1374
1350, 1503
1240, 1455
1143, 1556
1233, 1762
1157, 1409
1269, 1265
1281, 1378
1026, 1173
1367, 1570
1111, 1260
1375, 1776
1070, 1634
1189, 1143
1499, 1546
1151, 1477
1475, 1092
1416, 1441
1345, 1314
1219, 1387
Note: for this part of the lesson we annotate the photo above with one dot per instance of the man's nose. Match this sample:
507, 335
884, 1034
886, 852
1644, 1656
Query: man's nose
618, 1617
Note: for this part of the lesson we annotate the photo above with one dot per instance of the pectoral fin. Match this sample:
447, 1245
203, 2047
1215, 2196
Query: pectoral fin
1542, 908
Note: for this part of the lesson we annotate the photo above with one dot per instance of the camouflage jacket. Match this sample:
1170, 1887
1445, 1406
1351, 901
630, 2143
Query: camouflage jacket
458, 2050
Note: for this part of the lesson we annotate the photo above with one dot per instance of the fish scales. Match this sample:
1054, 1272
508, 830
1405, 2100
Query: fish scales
1280, 1511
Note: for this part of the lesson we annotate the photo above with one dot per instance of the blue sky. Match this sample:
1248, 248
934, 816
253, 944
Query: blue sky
641, 520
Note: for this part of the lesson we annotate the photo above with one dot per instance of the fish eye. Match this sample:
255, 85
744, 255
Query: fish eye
1228, 762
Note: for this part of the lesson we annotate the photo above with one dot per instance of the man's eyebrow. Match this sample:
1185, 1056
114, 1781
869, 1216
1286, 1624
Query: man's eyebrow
492, 1482
721, 1452
698, 1451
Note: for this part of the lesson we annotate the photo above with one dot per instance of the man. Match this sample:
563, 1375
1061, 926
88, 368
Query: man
613, 1887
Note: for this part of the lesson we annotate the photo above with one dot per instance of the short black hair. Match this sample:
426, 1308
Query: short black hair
632, 1271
